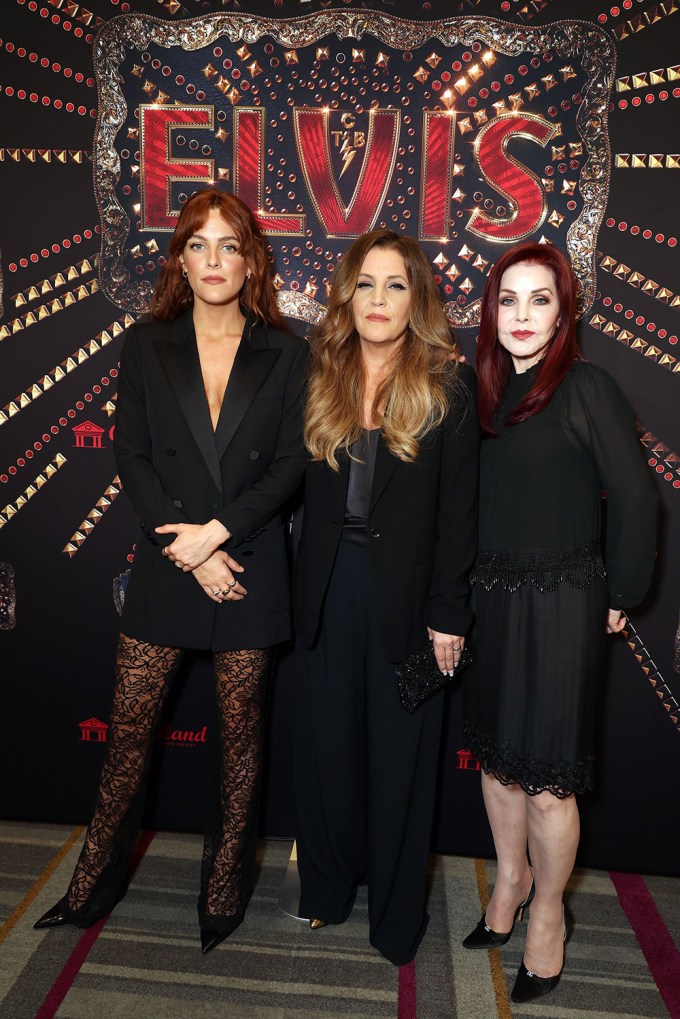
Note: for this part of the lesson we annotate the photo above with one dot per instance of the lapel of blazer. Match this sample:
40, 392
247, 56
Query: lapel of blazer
252, 364
178, 354
384, 466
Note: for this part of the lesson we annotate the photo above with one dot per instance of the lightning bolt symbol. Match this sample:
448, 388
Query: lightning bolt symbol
347, 153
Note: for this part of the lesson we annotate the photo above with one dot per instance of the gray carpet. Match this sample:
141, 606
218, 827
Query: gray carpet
145, 960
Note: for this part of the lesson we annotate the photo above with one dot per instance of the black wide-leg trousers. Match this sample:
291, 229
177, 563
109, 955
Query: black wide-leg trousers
365, 771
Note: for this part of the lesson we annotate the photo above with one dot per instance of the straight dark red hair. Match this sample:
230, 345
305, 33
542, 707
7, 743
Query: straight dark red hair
494, 362
173, 295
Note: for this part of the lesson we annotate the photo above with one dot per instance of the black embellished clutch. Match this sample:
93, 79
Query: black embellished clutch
420, 677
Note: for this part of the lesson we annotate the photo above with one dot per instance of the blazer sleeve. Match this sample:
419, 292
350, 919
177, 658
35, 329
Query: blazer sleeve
604, 423
256, 506
132, 447
456, 547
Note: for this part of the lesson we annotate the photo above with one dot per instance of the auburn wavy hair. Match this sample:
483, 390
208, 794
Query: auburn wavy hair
494, 362
173, 295
414, 396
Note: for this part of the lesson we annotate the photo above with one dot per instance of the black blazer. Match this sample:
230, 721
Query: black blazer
422, 530
175, 468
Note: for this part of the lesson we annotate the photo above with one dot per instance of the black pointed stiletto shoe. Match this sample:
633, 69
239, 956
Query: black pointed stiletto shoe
484, 936
528, 986
211, 939
54, 917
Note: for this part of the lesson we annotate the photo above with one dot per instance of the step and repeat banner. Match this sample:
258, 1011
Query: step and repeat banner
467, 125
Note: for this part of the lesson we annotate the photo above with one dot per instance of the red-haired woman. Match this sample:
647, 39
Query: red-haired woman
558, 430
209, 449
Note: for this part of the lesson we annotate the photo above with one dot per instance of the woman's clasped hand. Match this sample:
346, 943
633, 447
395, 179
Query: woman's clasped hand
221, 414
214, 376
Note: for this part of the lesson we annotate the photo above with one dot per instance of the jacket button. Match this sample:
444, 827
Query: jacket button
170, 450
374, 533
254, 454
178, 503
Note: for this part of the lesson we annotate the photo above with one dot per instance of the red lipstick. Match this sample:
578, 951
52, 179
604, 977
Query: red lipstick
522, 334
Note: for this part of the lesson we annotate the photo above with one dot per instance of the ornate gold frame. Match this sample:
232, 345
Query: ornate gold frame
569, 39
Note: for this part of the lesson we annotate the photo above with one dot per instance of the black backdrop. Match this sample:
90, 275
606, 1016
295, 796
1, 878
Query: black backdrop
65, 533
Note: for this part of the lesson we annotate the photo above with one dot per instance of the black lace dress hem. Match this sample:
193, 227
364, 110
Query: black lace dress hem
531, 694
559, 777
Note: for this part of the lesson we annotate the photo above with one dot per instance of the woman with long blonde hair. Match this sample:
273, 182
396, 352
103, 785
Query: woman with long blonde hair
387, 539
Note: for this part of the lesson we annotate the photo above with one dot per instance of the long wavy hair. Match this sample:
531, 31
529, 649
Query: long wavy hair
494, 362
173, 295
415, 394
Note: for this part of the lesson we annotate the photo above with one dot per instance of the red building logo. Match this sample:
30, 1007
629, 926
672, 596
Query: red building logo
93, 731
467, 762
88, 435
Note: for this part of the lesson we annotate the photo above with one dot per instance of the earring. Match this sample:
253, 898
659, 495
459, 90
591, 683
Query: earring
248, 274
185, 274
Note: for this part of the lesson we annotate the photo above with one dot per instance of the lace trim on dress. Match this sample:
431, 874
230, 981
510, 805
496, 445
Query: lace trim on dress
561, 778
545, 569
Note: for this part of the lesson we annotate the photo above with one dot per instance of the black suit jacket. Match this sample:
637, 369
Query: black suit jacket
176, 469
422, 529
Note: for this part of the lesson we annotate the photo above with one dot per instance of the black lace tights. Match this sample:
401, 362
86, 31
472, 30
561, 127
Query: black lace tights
144, 674
228, 863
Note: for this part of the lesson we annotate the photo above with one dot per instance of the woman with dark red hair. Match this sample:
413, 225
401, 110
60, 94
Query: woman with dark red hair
209, 449
558, 431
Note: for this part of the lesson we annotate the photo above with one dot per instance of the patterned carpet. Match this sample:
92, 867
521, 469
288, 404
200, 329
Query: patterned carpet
144, 960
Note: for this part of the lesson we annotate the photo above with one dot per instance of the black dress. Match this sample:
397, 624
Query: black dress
541, 586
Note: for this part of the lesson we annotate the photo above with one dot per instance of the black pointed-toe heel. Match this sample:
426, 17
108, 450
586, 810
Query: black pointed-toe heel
57, 916
484, 936
211, 939
528, 986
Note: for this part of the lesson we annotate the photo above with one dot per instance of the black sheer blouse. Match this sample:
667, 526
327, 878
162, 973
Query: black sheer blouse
541, 489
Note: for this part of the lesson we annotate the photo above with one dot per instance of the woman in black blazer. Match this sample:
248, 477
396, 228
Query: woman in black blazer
388, 536
209, 448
